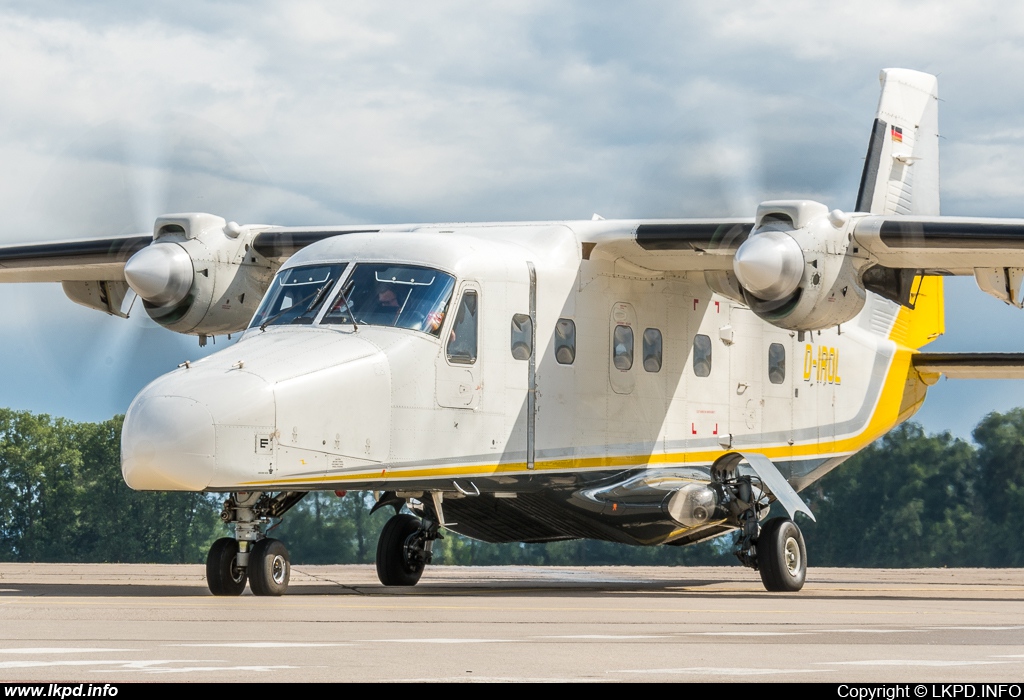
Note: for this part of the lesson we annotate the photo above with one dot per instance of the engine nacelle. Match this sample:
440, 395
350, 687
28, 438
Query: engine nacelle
200, 275
794, 270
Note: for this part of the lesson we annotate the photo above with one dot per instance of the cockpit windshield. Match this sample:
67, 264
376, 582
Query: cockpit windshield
296, 295
400, 296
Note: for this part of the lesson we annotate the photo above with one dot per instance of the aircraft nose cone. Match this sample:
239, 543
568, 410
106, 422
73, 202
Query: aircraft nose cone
161, 273
769, 265
168, 443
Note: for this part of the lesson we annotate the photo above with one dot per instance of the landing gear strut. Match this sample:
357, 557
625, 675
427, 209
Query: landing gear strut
777, 550
250, 554
405, 548
774, 548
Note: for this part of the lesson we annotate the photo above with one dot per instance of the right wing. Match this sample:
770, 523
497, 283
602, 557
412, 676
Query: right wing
189, 251
81, 260
104, 258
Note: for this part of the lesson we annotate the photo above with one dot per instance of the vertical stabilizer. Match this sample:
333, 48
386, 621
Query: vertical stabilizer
901, 172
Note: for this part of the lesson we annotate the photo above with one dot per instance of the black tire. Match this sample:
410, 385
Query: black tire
223, 575
269, 567
781, 556
393, 565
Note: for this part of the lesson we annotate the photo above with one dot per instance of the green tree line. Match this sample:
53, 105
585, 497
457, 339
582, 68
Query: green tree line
908, 500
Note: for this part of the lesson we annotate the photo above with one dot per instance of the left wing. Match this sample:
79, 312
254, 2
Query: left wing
990, 249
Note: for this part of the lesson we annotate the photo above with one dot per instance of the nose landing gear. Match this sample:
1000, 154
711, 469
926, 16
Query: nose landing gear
269, 568
223, 574
250, 554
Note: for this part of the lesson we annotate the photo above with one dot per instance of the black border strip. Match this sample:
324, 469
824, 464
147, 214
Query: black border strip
936, 234
697, 237
869, 176
105, 249
283, 244
969, 359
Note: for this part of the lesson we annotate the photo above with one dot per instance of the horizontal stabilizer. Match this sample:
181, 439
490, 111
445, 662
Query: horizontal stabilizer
971, 365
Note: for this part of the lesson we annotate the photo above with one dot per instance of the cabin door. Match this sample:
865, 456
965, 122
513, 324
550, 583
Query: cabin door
459, 375
520, 358
745, 339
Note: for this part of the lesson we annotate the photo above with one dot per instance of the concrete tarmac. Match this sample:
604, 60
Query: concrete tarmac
129, 623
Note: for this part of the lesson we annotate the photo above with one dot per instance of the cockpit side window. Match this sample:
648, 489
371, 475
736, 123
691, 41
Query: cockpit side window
399, 296
297, 294
461, 346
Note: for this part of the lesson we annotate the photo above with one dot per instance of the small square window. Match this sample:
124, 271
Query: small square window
652, 350
522, 337
565, 341
622, 347
702, 355
461, 346
776, 363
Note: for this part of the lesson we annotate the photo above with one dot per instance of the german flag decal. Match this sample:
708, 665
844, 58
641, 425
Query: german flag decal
897, 134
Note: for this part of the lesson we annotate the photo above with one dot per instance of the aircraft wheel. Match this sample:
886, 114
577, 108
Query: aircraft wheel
782, 556
395, 566
223, 575
269, 567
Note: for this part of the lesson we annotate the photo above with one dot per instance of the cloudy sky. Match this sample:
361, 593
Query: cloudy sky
316, 112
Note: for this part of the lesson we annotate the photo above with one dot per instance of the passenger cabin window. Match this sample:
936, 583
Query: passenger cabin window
522, 337
565, 341
776, 363
399, 296
701, 355
652, 350
297, 294
461, 347
622, 347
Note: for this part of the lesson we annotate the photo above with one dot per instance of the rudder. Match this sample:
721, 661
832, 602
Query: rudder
901, 171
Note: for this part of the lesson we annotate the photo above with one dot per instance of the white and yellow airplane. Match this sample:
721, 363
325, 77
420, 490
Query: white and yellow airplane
651, 382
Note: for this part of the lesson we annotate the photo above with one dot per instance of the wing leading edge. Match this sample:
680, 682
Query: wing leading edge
990, 249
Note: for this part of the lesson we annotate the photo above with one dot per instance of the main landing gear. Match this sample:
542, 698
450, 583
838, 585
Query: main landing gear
777, 550
405, 545
781, 555
250, 554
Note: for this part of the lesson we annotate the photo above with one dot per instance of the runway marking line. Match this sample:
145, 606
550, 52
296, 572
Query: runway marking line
721, 671
59, 650
910, 662
286, 604
262, 645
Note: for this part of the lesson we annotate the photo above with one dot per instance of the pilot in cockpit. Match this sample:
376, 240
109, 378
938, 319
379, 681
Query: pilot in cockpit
388, 306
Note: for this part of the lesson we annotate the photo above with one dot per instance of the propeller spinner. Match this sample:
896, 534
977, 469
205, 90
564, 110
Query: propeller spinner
769, 265
161, 273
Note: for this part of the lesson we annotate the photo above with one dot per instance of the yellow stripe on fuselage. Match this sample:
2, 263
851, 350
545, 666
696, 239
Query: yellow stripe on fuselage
902, 393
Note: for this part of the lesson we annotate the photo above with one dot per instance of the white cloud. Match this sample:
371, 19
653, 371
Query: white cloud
316, 112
